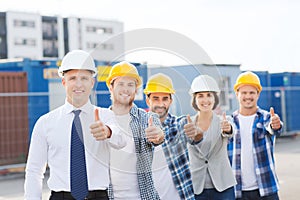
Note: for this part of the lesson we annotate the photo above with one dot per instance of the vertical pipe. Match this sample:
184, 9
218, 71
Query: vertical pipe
283, 108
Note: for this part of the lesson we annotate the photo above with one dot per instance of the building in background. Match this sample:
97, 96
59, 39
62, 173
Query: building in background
31, 35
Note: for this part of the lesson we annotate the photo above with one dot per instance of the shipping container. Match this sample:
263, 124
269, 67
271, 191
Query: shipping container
38, 92
285, 99
13, 117
265, 99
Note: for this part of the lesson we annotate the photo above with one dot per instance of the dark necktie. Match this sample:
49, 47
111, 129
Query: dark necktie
79, 185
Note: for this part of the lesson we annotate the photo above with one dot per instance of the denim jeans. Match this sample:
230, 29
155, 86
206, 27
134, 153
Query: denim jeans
254, 195
213, 194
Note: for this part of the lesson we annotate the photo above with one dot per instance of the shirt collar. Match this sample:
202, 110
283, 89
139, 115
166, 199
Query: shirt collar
84, 109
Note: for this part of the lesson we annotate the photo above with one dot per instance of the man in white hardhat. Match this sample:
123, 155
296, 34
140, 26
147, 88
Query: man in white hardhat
74, 139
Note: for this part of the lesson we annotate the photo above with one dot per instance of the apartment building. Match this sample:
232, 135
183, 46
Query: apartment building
31, 35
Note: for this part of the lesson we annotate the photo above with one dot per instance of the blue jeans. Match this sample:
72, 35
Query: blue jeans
254, 195
213, 194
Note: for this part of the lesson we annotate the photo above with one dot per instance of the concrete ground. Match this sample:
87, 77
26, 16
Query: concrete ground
287, 156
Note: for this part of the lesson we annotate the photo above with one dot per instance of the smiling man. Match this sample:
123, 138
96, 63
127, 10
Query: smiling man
252, 146
73, 140
172, 177
131, 174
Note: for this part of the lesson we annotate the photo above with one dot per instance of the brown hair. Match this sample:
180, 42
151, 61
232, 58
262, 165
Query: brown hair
194, 104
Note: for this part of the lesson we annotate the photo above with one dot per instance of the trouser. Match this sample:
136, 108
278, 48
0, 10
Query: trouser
93, 195
213, 194
254, 195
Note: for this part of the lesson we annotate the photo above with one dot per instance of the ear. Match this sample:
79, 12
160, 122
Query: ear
236, 94
63, 81
110, 88
93, 82
148, 101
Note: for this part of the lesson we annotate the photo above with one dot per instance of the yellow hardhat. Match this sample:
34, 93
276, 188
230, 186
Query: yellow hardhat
159, 83
247, 78
123, 69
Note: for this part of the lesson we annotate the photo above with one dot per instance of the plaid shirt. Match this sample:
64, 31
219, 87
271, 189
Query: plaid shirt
144, 153
176, 152
263, 149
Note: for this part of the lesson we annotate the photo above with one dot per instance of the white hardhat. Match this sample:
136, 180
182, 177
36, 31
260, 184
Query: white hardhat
204, 83
77, 59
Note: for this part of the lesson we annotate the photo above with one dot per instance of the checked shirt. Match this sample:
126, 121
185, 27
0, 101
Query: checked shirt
263, 148
176, 153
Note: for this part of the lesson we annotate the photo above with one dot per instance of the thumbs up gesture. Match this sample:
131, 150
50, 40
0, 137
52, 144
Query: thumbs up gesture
191, 130
275, 120
99, 130
225, 125
154, 134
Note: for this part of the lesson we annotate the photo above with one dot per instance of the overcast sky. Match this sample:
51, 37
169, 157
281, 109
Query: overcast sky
259, 35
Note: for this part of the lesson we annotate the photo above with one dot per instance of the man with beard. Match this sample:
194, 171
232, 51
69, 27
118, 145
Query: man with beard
131, 174
252, 146
172, 177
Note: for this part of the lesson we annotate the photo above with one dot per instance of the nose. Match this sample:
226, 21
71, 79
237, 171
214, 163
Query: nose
78, 82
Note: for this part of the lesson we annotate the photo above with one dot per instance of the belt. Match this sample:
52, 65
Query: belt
67, 195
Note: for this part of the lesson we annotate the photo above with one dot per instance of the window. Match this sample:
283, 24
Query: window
50, 48
99, 30
24, 23
102, 46
25, 42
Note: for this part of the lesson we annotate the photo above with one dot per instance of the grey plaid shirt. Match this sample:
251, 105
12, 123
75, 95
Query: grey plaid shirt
144, 152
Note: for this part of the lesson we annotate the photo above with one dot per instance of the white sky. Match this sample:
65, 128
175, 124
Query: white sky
259, 35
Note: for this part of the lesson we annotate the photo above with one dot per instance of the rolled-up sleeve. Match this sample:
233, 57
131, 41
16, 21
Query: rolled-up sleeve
117, 140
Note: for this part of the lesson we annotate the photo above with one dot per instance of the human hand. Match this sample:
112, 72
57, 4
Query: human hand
191, 130
99, 130
275, 120
154, 134
225, 125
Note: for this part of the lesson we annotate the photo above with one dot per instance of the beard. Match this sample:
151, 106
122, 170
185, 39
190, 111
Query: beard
161, 111
123, 102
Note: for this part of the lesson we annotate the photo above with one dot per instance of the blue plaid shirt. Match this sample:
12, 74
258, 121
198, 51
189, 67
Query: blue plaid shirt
176, 153
263, 144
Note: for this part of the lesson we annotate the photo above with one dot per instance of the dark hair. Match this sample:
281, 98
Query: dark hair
194, 104
148, 95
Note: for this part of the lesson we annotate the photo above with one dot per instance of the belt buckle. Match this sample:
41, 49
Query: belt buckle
86, 198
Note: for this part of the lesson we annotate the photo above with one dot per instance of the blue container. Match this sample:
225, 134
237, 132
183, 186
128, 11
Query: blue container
38, 101
265, 99
102, 92
286, 97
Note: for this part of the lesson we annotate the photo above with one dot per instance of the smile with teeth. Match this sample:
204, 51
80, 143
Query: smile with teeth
205, 105
125, 95
78, 91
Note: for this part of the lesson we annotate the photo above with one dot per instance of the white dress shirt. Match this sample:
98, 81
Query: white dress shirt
50, 145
